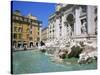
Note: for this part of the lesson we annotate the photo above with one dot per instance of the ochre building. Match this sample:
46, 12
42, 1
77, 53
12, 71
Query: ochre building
26, 30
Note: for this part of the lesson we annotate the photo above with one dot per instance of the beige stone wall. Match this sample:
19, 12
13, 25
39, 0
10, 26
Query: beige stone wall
45, 35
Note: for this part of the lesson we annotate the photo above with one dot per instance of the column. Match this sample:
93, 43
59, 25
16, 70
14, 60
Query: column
77, 25
90, 20
57, 29
63, 31
40, 32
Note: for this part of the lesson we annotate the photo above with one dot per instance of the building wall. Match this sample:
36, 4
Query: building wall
45, 34
25, 30
35, 33
25, 34
73, 31
17, 34
35, 30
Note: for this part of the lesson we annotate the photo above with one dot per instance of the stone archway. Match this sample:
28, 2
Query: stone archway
19, 44
70, 20
31, 44
70, 24
14, 44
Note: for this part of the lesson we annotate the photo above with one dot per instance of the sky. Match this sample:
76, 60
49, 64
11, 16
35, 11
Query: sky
41, 10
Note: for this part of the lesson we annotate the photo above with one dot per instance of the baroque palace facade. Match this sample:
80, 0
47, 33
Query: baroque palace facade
26, 30
73, 22
44, 34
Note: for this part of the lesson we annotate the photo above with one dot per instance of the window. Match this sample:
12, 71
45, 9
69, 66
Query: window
29, 20
95, 10
25, 19
20, 36
38, 33
60, 27
17, 18
21, 19
60, 19
38, 39
30, 38
38, 28
14, 36
50, 31
15, 29
19, 29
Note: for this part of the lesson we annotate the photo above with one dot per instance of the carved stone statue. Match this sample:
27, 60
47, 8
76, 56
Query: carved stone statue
83, 27
69, 30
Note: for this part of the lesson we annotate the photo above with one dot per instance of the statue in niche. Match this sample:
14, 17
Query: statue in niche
96, 25
83, 27
69, 32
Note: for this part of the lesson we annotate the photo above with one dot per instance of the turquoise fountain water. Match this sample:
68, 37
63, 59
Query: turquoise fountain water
37, 62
